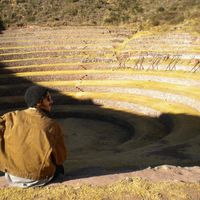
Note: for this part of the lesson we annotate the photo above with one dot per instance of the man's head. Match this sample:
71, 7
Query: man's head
38, 97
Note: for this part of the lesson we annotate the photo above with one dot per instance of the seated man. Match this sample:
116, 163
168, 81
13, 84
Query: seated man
32, 148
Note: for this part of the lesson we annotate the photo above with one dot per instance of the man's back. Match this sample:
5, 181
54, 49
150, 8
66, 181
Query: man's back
27, 148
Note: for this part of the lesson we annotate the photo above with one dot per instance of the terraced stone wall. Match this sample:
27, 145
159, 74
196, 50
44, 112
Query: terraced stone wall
135, 97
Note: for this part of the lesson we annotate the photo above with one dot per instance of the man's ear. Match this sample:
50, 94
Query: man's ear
38, 105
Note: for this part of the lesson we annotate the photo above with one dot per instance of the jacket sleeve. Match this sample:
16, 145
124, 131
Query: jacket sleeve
56, 140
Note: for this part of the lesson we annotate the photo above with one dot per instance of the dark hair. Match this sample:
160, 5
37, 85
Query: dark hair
34, 95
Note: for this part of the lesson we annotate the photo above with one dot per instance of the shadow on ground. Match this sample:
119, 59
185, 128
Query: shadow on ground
105, 141
2, 27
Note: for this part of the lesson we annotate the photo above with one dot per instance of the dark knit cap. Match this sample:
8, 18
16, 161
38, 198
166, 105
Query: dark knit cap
34, 95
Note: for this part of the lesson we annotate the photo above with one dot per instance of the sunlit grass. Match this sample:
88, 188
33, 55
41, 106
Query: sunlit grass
189, 91
155, 103
52, 51
127, 189
174, 74
53, 45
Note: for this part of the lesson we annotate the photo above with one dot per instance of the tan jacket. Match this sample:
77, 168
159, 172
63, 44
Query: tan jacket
31, 144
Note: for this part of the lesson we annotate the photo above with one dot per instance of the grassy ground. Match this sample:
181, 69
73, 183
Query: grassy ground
143, 14
128, 189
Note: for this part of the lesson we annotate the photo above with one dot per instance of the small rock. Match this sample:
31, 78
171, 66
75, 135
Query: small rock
156, 168
165, 167
128, 179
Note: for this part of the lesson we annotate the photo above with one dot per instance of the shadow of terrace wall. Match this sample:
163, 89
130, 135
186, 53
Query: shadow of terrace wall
2, 27
169, 145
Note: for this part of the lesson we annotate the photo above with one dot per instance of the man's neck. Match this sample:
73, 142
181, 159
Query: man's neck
47, 113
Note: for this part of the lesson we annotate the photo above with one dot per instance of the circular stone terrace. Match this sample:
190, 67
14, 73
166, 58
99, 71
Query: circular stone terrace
126, 101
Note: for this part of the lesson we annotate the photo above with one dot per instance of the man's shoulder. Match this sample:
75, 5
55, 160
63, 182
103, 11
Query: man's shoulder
26, 113
53, 122
32, 115
11, 113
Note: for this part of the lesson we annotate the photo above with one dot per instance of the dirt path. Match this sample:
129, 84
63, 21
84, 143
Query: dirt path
160, 173
157, 174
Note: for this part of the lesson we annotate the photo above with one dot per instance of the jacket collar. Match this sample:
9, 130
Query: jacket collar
38, 111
